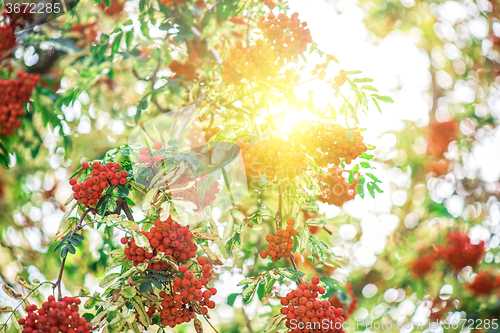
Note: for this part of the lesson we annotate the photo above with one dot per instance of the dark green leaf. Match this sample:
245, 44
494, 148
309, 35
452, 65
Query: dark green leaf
145, 286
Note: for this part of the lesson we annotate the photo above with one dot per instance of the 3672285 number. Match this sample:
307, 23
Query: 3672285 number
33, 8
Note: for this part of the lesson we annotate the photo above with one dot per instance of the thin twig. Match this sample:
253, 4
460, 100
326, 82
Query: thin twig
247, 320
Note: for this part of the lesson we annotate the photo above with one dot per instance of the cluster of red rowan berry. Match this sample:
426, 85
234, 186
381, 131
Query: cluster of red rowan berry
193, 193
256, 63
459, 252
272, 158
55, 317
484, 283
284, 38
328, 144
145, 154
172, 3
303, 309
424, 264
269, 3
7, 37
335, 187
100, 177
280, 245
184, 70
188, 294
88, 32
349, 307
14, 93
168, 237
440, 135
287, 36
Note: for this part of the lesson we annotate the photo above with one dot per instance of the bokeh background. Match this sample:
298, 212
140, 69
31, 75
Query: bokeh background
437, 154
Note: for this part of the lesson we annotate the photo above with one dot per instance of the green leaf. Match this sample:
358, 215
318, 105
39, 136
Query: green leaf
352, 173
363, 80
360, 189
232, 298
353, 72
366, 156
317, 222
75, 242
145, 286
249, 292
104, 38
385, 99
71, 248
128, 292
64, 252
139, 307
376, 104
106, 281
369, 87
116, 45
156, 283
303, 239
372, 176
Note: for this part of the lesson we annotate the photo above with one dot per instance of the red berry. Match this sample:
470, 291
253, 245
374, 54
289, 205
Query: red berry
157, 145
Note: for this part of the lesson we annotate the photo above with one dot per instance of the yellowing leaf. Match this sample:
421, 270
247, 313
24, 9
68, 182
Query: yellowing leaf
139, 308
5, 309
24, 283
210, 237
9, 291
211, 255
65, 227
108, 279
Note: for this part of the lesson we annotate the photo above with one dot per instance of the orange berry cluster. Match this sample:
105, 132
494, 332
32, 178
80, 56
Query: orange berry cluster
172, 3
304, 312
185, 289
145, 156
287, 36
330, 143
284, 38
269, 3
460, 252
335, 187
55, 317
272, 158
13, 94
185, 70
168, 237
256, 63
193, 193
483, 283
440, 135
319, 69
89, 191
280, 245
339, 80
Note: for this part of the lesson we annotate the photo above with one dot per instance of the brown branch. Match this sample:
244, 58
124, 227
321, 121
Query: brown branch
57, 284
